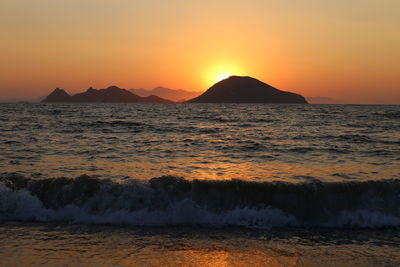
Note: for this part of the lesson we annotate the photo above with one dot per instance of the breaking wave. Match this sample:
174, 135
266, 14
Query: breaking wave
172, 200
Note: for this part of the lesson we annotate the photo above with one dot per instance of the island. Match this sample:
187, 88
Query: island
112, 94
244, 89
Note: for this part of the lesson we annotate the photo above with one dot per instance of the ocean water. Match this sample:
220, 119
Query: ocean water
199, 184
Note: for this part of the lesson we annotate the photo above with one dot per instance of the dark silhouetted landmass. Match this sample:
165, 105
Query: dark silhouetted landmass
58, 95
170, 94
323, 100
112, 94
238, 89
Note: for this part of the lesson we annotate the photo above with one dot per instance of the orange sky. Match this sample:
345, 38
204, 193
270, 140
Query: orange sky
347, 50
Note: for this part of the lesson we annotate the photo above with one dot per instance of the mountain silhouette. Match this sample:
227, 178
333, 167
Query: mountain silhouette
323, 100
238, 89
167, 93
58, 95
112, 94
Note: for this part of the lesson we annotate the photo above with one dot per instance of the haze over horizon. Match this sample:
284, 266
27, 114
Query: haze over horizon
345, 50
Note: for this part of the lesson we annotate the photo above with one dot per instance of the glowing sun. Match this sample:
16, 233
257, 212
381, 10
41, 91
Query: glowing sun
221, 72
222, 76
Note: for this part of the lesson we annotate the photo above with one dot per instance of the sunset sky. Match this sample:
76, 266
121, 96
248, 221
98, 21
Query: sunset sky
345, 49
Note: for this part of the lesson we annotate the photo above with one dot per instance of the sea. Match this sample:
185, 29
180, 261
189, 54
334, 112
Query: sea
199, 185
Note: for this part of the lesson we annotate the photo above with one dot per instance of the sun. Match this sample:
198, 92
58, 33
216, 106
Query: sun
222, 76
219, 72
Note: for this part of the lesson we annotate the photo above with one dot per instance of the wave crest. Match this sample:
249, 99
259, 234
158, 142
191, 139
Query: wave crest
172, 200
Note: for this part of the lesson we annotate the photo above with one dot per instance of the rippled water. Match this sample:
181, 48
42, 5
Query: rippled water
80, 245
202, 141
199, 185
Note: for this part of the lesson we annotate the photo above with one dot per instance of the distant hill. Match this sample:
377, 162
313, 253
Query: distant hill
170, 94
323, 100
112, 94
22, 100
237, 89
58, 95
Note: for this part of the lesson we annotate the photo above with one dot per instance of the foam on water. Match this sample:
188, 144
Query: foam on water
175, 201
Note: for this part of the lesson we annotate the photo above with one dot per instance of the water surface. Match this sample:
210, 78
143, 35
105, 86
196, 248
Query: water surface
261, 142
199, 185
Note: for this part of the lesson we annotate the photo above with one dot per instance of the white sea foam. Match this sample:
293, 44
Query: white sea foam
20, 205
365, 218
